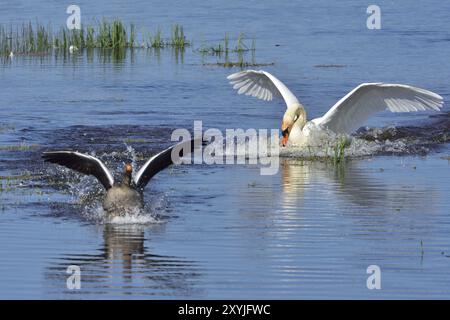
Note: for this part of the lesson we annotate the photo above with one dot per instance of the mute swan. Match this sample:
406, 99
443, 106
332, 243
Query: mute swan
125, 196
344, 117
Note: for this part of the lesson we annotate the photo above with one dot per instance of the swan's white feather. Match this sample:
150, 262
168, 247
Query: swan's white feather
358, 105
262, 85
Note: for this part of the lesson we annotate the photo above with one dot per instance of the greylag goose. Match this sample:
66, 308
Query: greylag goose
125, 196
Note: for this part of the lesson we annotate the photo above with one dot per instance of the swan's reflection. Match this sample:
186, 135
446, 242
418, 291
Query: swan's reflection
123, 266
314, 189
346, 182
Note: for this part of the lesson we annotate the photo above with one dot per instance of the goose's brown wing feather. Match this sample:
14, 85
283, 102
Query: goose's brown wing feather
82, 163
164, 159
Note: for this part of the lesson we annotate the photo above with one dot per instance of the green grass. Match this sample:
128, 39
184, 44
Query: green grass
178, 39
223, 47
238, 56
114, 36
334, 153
38, 39
19, 147
241, 63
135, 140
26, 39
9, 183
339, 151
156, 40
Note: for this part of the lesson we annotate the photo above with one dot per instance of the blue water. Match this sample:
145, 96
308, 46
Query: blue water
309, 231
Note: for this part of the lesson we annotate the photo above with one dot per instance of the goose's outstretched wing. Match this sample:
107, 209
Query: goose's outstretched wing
162, 160
262, 85
82, 163
358, 105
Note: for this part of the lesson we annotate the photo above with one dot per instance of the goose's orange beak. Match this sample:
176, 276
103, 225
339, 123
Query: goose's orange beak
128, 168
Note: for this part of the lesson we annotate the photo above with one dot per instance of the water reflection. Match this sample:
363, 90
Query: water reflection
123, 265
116, 56
349, 183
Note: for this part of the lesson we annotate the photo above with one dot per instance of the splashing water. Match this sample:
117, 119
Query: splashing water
85, 192
94, 212
131, 152
391, 140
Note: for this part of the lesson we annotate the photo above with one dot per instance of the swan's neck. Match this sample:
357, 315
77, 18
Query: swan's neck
300, 114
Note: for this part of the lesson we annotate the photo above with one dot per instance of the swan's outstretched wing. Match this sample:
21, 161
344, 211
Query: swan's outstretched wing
262, 85
358, 105
162, 160
83, 163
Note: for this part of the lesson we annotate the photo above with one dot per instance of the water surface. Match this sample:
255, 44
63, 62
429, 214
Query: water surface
225, 231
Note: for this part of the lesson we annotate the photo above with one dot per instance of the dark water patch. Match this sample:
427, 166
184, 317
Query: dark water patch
430, 135
106, 138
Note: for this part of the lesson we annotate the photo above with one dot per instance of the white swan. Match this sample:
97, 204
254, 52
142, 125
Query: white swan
344, 117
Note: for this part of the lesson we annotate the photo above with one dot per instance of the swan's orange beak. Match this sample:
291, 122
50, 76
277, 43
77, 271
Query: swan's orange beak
128, 168
285, 133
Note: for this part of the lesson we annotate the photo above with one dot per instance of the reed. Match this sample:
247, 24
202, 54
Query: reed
114, 36
241, 52
132, 39
90, 37
156, 40
26, 39
178, 39
339, 151
35, 38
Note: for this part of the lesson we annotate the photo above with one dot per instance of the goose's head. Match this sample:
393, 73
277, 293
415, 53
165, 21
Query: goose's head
295, 115
127, 174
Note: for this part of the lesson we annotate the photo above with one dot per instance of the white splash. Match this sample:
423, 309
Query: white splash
95, 212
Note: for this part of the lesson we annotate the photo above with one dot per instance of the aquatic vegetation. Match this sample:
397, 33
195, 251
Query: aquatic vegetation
23, 146
135, 140
339, 151
26, 39
215, 49
240, 64
178, 39
223, 47
333, 152
240, 51
113, 38
156, 40
106, 34
330, 66
9, 183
